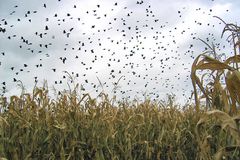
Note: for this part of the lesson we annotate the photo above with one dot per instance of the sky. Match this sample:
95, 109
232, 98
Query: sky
145, 47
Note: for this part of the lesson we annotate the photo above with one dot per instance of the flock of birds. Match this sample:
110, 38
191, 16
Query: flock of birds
130, 50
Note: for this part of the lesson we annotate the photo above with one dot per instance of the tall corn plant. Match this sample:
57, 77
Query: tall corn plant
222, 90
218, 132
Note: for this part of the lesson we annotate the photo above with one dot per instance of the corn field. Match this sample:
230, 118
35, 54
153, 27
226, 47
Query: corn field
75, 126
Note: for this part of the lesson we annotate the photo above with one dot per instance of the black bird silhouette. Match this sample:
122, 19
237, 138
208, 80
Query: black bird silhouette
2, 30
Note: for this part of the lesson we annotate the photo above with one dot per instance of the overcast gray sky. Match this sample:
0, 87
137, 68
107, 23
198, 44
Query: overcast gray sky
150, 44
